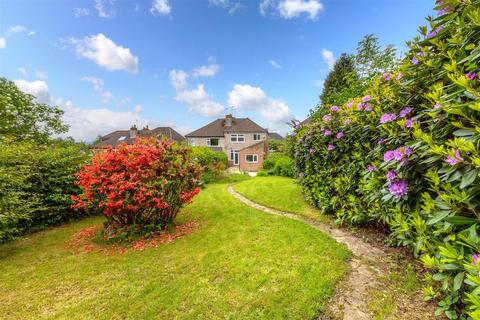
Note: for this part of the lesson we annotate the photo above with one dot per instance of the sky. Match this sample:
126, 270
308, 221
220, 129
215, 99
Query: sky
182, 63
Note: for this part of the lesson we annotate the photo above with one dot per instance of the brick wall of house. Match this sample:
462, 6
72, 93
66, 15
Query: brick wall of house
258, 149
202, 142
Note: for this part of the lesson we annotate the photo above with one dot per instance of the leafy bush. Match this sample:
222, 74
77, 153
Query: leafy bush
213, 163
36, 182
407, 155
278, 164
139, 188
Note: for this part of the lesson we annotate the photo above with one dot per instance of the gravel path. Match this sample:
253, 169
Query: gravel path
349, 301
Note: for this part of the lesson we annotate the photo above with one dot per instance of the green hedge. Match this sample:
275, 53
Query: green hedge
407, 155
36, 182
213, 163
277, 164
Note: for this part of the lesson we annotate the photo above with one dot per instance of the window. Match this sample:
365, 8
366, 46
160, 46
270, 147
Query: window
213, 142
256, 137
234, 156
251, 158
238, 138
192, 142
122, 138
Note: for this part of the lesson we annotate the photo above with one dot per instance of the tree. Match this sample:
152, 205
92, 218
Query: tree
370, 59
24, 118
340, 81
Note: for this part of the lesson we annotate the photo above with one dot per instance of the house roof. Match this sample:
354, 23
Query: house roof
217, 128
115, 138
275, 136
253, 145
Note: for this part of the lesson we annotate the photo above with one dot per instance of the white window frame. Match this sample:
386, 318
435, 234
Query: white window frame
209, 142
232, 156
255, 135
237, 137
255, 158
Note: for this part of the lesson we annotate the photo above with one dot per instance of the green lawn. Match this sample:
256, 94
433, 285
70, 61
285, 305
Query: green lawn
239, 263
279, 193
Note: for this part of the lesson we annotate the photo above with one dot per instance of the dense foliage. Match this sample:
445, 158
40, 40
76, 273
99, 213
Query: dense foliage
36, 182
139, 188
406, 154
277, 164
24, 118
340, 80
213, 163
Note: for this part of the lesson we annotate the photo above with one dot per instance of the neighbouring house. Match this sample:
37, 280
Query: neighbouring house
115, 138
244, 141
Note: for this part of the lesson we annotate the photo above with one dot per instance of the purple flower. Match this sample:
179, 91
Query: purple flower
471, 76
349, 105
405, 112
312, 150
334, 109
327, 132
366, 98
391, 175
381, 141
327, 117
414, 60
421, 54
398, 188
330, 147
434, 32
409, 123
322, 129
367, 107
301, 174
340, 135
347, 121
386, 77
399, 76
453, 160
388, 156
360, 106
387, 117
370, 167
400, 154
475, 259
437, 106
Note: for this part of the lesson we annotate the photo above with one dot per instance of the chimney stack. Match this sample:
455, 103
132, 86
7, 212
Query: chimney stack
228, 120
133, 131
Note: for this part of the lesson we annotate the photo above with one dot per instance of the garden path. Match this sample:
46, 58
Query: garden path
349, 302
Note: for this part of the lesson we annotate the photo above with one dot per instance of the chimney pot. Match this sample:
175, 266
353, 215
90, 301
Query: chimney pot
133, 131
228, 120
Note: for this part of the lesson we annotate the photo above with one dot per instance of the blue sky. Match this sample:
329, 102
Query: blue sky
182, 63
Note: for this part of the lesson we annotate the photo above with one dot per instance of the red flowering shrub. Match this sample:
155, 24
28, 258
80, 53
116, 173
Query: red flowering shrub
139, 188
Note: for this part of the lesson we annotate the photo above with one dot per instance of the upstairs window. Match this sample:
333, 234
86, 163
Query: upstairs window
213, 142
237, 138
256, 137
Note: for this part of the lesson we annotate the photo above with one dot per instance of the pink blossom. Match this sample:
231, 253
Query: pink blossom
327, 118
370, 168
386, 77
366, 98
437, 106
334, 109
398, 188
391, 175
405, 111
453, 160
349, 105
475, 259
381, 141
347, 121
327, 132
399, 76
330, 147
387, 117
340, 135
414, 60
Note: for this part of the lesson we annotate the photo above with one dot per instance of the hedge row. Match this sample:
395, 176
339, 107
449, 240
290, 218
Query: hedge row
407, 155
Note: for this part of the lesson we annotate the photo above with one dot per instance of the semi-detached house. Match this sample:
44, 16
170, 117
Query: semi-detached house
244, 141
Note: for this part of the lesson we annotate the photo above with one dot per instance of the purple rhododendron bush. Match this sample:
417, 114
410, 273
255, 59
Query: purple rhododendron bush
406, 155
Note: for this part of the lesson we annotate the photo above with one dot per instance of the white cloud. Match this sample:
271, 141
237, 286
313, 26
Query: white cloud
3, 43
161, 7
41, 74
250, 98
328, 58
178, 79
290, 9
199, 101
31, 33
15, 29
206, 71
105, 53
97, 83
37, 88
22, 71
275, 64
138, 108
230, 6
78, 12
105, 8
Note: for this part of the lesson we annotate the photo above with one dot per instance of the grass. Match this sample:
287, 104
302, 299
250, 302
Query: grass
238, 264
279, 193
